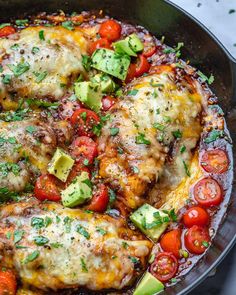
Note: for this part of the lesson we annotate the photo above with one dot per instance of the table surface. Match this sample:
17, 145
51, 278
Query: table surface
219, 16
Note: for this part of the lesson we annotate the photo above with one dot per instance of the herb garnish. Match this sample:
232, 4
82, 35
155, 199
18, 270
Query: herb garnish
81, 230
213, 136
204, 78
18, 235
83, 265
41, 35
40, 76
132, 92
19, 69
68, 25
114, 131
140, 139
40, 240
31, 257
186, 169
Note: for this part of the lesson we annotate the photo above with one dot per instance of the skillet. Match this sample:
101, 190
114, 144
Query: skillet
203, 51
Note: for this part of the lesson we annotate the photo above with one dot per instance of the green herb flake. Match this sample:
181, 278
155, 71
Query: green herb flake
21, 22
40, 240
8, 235
31, 257
68, 25
37, 222
56, 245
18, 235
4, 25
186, 169
213, 136
40, 76
101, 231
48, 221
159, 126
177, 134
86, 62
114, 131
6, 79
205, 244
41, 35
35, 50
86, 162
132, 92
204, 78
140, 139
182, 149
135, 169
15, 47
83, 265
133, 259
31, 129
19, 69
81, 230
125, 245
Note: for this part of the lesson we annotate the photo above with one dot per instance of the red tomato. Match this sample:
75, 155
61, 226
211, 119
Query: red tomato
7, 283
100, 43
164, 267
197, 239
46, 188
6, 31
207, 192
107, 102
84, 149
110, 29
131, 73
100, 199
215, 161
196, 216
149, 51
171, 242
84, 121
75, 171
142, 66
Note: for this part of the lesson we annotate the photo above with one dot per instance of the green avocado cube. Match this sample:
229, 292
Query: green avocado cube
78, 192
111, 62
90, 94
149, 285
135, 43
60, 164
151, 221
123, 46
105, 82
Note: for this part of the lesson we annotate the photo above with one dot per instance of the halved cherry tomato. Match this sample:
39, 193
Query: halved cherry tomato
131, 73
108, 102
75, 171
100, 43
197, 239
84, 149
164, 266
7, 283
171, 242
215, 161
6, 31
149, 51
84, 121
100, 199
47, 188
110, 29
207, 192
196, 216
142, 66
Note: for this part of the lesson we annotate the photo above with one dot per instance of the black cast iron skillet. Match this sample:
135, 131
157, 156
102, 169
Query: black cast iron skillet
204, 52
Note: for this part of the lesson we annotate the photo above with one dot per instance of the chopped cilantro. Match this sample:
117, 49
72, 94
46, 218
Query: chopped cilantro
15, 47
56, 245
37, 222
41, 35
205, 244
86, 62
114, 131
18, 235
6, 79
140, 139
177, 133
101, 231
21, 22
204, 78
182, 149
19, 69
135, 169
83, 265
213, 136
68, 25
40, 240
159, 126
40, 76
35, 50
132, 92
31, 257
81, 230
125, 245
186, 169
31, 129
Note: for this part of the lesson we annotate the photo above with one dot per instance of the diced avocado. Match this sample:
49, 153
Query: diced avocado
135, 43
90, 94
60, 165
105, 82
147, 219
123, 46
111, 62
149, 285
78, 192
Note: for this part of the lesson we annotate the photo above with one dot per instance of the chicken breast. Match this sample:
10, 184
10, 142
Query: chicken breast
52, 247
40, 62
157, 125
26, 147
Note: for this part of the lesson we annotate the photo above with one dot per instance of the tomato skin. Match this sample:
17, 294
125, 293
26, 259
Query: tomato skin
100, 199
164, 266
8, 283
196, 216
215, 161
84, 148
6, 31
194, 238
142, 66
207, 192
110, 29
46, 188
148, 52
100, 43
84, 126
171, 242
76, 170
107, 102
131, 73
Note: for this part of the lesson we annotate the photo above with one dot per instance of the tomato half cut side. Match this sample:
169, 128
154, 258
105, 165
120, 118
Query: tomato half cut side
6, 31
47, 188
142, 66
164, 266
110, 29
84, 149
207, 192
100, 43
100, 199
171, 242
84, 121
131, 73
197, 239
215, 161
149, 51
196, 216
76, 170
8, 283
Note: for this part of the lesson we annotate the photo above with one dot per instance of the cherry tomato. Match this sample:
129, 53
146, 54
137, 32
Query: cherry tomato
164, 267
197, 239
131, 73
6, 31
75, 171
84, 121
47, 188
142, 66
149, 51
107, 102
100, 199
7, 283
215, 161
100, 43
196, 216
207, 192
171, 242
110, 29
84, 149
